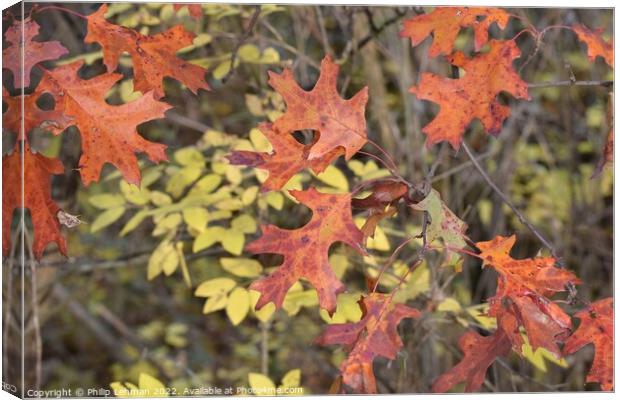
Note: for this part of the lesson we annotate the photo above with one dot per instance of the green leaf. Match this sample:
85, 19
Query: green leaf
242, 267
238, 305
106, 218
106, 201
134, 194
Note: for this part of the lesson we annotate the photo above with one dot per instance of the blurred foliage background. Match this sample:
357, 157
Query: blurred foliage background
156, 282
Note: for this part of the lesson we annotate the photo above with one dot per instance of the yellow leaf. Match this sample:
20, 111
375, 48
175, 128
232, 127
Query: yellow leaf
379, 242
232, 241
189, 156
244, 223
261, 384
238, 305
291, 379
260, 141
249, 195
270, 56
275, 200
242, 267
207, 238
134, 194
449, 304
196, 217
248, 53
106, 218
215, 287
215, 303
334, 178
160, 198
265, 313
339, 263
134, 222
167, 224
221, 70
347, 309
184, 269
106, 201
153, 387
182, 178
296, 298
208, 183
233, 174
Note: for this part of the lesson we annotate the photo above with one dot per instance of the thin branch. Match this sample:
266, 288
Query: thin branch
570, 83
241, 41
36, 324
508, 202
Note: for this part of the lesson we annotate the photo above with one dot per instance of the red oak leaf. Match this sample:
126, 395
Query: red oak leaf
596, 45
446, 22
305, 250
195, 10
154, 57
54, 121
108, 132
374, 335
479, 352
473, 96
287, 158
340, 123
37, 198
596, 327
522, 290
34, 52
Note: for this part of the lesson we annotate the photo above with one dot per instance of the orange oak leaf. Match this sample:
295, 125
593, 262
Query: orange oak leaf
374, 335
446, 22
597, 46
108, 132
38, 171
479, 352
154, 57
34, 52
596, 327
305, 250
340, 123
54, 120
474, 95
521, 297
195, 10
287, 158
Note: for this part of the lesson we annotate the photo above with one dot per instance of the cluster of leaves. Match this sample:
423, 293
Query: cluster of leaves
203, 201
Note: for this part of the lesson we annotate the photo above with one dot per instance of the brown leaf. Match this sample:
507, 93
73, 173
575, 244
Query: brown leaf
38, 171
596, 327
305, 250
341, 124
108, 132
474, 95
445, 24
154, 57
34, 52
376, 334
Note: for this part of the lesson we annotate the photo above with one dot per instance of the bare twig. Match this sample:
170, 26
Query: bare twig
240, 43
508, 202
569, 83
